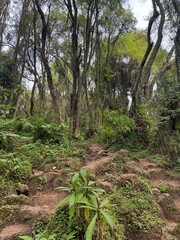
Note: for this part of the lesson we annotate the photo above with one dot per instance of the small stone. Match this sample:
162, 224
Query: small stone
156, 192
18, 200
67, 164
22, 189
123, 151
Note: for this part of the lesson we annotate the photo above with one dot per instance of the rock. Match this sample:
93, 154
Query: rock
169, 229
123, 152
132, 167
156, 192
68, 164
12, 232
22, 189
169, 208
18, 200
128, 178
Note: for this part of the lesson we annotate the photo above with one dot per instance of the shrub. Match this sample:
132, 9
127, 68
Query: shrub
115, 128
15, 169
135, 209
85, 211
50, 132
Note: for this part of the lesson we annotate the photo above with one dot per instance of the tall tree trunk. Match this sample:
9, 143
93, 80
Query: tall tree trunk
176, 4
4, 5
139, 91
75, 104
46, 63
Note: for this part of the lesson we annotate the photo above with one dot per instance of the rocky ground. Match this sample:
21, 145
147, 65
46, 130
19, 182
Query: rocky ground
43, 198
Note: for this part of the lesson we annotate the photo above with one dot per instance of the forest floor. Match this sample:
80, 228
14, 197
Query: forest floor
43, 198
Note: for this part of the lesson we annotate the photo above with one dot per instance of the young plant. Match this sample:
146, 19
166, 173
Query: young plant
85, 206
100, 216
81, 188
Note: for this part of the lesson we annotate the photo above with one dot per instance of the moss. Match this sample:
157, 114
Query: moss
164, 188
135, 209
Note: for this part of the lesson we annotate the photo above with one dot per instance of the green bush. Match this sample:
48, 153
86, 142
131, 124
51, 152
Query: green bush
50, 132
83, 212
115, 128
23, 126
15, 169
135, 209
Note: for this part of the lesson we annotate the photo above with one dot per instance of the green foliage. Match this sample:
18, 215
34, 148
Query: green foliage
11, 142
46, 155
156, 158
8, 76
81, 188
135, 209
164, 188
17, 126
51, 132
85, 207
115, 128
13, 168
132, 45
38, 237
169, 108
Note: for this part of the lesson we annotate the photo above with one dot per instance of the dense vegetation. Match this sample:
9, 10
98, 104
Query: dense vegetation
77, 72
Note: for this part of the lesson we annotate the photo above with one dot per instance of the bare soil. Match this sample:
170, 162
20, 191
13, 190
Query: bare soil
98, 158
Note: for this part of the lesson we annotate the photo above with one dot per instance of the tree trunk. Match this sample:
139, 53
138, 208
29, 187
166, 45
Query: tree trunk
46, 63
139, 91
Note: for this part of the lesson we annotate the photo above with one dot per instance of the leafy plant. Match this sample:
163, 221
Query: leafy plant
101, 216
85, 205
50, 132
38, 237
15, 169
164, 188
136, 209
115, 128
81, 188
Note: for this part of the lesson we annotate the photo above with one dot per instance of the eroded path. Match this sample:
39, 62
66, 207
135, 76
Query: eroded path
42, 202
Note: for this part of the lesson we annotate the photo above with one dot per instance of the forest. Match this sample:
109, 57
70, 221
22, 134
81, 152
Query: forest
89, 120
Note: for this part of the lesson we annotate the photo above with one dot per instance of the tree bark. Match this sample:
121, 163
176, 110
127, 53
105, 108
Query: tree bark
46, 63
139, 91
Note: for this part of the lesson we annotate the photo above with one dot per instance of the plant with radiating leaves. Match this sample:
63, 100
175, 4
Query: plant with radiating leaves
85, 205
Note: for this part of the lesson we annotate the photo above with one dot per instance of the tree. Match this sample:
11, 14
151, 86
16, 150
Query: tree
45, 26
4, 11
139, 90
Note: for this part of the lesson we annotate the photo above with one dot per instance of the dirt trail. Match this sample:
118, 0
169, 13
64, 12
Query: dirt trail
42, 204
98, 161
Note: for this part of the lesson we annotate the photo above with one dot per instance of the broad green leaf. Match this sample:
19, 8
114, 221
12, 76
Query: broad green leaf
71, 211
91, 183
79, 196
63, 189
91, 227
89, 207
86, 213
72, 199
25, 238
108, 218
104, 203
94, 201
85, 175
63, 202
